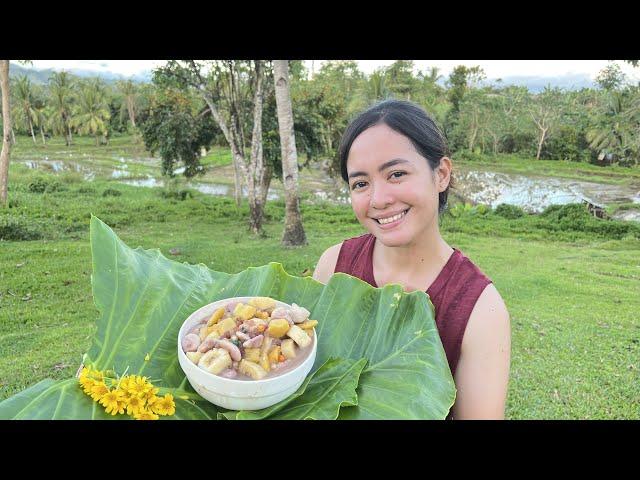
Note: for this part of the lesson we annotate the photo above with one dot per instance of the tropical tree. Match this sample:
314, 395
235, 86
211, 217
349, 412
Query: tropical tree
546, 110
293, 230
610, 77
614, 134
6, 131
25, 101
400, 81
61, 98
173, 126
460, 81
129, 93
231, 89
91, 112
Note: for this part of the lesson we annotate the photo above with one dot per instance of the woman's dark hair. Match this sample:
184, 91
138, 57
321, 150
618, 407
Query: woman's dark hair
408, 119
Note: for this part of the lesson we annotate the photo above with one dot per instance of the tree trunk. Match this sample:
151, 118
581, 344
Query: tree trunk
256, 166
293, 229
42, 134
13, 137
132, 113
544, 133
6, 131
236, 155
265, 182
33, 135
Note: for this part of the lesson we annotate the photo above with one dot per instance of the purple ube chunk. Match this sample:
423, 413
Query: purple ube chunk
190, 343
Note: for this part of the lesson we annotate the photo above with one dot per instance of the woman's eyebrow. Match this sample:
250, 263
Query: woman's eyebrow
381, 168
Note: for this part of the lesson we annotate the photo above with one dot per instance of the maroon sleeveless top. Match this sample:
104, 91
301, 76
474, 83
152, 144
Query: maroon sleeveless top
453, 293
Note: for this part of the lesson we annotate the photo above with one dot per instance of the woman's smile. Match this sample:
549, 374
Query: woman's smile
387, 222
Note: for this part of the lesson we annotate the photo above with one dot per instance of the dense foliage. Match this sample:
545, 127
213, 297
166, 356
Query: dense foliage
600, 125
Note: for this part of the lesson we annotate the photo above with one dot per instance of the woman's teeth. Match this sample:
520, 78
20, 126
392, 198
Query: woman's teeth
391, 219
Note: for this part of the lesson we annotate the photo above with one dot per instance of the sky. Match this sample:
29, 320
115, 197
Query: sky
493, 68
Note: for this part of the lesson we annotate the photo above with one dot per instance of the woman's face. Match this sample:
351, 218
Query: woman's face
394, 192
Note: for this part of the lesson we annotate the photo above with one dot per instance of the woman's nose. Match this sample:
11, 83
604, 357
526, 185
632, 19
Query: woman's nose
381, 197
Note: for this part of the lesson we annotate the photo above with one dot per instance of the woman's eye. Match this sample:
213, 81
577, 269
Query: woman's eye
357, 185
398, 174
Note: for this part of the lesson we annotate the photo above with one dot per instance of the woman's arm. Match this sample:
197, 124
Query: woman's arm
327, 263
482, 374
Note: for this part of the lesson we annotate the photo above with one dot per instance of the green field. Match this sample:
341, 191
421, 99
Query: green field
571, 283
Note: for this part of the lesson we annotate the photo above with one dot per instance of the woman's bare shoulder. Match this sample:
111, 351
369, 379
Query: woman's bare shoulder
489, 317
327, 263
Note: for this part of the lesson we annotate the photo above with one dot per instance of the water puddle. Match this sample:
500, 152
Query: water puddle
535, 194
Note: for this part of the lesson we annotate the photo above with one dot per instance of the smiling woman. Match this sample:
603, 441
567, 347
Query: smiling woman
394, 158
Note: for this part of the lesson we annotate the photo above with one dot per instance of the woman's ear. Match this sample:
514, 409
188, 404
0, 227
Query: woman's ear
443, 173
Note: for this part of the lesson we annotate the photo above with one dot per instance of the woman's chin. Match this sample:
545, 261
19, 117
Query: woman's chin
393, 238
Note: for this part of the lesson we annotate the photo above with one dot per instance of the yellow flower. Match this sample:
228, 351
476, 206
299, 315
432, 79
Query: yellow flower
87, 385
98, 391
145, 415
134, 405
164, 405
150, 396
139, 386
125, 384
113, 401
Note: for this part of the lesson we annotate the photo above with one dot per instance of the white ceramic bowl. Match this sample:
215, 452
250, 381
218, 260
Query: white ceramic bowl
240, 394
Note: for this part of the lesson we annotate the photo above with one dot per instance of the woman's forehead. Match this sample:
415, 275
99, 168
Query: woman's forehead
379, 144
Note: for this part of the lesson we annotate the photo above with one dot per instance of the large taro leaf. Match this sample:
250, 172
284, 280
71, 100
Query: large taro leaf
319, 398
143, 299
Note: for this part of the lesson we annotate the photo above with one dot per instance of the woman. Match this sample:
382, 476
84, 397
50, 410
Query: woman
395, 161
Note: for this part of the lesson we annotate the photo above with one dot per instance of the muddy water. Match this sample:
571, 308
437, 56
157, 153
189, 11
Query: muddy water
535, 194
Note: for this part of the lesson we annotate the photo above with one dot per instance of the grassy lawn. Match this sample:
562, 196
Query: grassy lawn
572, 288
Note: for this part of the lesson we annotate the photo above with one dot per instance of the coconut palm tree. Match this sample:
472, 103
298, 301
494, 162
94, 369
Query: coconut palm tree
61, 96
614, 132
25, 104
92, 111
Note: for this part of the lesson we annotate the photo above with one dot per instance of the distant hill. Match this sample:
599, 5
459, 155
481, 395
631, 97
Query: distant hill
41, 76
537, 84
534, 84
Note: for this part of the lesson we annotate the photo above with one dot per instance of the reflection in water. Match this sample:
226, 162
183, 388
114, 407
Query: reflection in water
144, 182
119, 174
219, 189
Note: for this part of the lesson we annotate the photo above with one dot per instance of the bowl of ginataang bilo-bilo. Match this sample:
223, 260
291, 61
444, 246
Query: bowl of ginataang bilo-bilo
247, 353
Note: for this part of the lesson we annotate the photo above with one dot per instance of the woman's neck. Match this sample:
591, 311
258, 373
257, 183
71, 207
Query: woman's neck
423, 258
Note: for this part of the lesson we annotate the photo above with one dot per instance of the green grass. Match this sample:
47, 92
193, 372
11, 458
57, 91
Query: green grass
571, 283
218, 157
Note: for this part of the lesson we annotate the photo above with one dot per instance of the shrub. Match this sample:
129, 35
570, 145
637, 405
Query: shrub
56, 186
173, 194
509, 211
111, 192
86, 189
12, 228
38, 185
